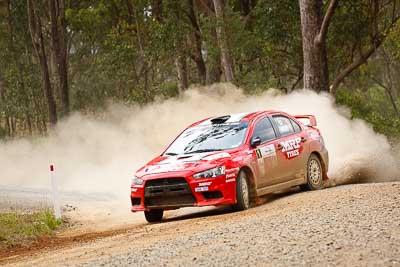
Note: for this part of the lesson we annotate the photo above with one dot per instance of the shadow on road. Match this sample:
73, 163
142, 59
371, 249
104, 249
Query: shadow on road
214, 211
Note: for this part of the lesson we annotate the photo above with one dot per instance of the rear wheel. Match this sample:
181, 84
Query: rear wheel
314, 174
153, 215
242, 192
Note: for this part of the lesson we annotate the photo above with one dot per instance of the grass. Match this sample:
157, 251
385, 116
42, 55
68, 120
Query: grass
17, 228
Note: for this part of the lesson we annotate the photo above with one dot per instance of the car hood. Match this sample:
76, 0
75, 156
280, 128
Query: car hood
183, 163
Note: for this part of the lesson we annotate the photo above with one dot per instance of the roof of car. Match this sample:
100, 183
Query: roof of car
232, 118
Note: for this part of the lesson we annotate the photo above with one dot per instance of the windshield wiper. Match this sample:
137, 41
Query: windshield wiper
171, 154
202, 151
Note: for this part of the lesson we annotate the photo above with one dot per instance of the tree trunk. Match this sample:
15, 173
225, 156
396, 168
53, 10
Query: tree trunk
245, 7
314, 29
314, 54
144, 68
1, 88
38, 44
393, 102
8, 126
196, 36
58, 38
29, 123
181, 50
213, 71
181, 67
222, 41
157, 9
13, 126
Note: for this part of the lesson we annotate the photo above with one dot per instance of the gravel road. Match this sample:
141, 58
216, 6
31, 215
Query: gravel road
352, 225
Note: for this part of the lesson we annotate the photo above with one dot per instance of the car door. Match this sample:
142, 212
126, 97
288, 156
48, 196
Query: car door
265, 153
291, 150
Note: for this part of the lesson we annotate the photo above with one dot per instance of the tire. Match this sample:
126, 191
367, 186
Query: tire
314, 174
242, 192
154, 215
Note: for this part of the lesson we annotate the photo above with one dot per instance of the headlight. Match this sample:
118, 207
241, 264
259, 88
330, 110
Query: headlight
210, 173
136, 181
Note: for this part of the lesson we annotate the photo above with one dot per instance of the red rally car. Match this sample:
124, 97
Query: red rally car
231, 160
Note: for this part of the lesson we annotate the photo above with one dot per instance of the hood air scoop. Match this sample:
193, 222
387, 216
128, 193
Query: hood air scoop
221, 119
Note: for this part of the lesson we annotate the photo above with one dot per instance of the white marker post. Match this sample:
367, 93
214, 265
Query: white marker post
56, 195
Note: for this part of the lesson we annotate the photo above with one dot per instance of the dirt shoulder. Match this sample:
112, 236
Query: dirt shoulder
346, 225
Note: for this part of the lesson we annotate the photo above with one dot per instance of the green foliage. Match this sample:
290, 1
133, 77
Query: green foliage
125, 51
168, 89
277, 42
374, 107
18, 228
392, 42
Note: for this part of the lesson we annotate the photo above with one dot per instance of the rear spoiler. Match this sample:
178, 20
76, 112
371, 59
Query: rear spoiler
307, 120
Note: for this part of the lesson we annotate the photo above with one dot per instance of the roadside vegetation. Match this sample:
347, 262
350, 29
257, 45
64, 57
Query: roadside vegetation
373, 107
18, 228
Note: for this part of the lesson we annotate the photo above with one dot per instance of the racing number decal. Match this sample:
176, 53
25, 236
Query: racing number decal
262, 153
260, 162
292, 147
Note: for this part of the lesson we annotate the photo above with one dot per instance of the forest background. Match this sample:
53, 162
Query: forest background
63, 56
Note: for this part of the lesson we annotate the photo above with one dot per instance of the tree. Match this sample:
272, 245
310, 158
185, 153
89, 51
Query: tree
197, 54
388, 79
180, 48
79, 55
59, 47
35, 27
382, 17
222, 40
314, 28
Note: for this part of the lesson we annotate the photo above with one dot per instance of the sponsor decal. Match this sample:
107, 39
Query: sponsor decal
314, 135
201, 189
232, 170
164, 168
230, 175
266, 151
133, 189
292, 147
217, 156
258, 154
205, 183
292, 154
239, 159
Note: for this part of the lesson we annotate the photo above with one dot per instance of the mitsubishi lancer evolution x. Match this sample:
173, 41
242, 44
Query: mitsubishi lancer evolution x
232, 160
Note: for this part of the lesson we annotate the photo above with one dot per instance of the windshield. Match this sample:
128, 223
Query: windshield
206, 138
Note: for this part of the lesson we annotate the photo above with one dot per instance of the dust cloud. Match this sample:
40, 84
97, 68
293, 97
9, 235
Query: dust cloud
99, 155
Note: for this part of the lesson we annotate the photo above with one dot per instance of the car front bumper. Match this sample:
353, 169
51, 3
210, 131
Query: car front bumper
171, 191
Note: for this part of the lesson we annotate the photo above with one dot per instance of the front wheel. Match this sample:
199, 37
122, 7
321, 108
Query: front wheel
153, 215
242, 192
314, 174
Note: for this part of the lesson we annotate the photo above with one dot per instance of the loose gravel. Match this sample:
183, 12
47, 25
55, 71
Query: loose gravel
352, 225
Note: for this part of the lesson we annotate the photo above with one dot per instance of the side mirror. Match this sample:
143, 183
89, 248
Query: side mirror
255, 141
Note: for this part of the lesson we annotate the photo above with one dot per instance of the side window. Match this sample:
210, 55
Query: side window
264, 130
285, 127
296, 127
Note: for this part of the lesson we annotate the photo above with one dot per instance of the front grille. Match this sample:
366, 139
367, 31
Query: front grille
168, 192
